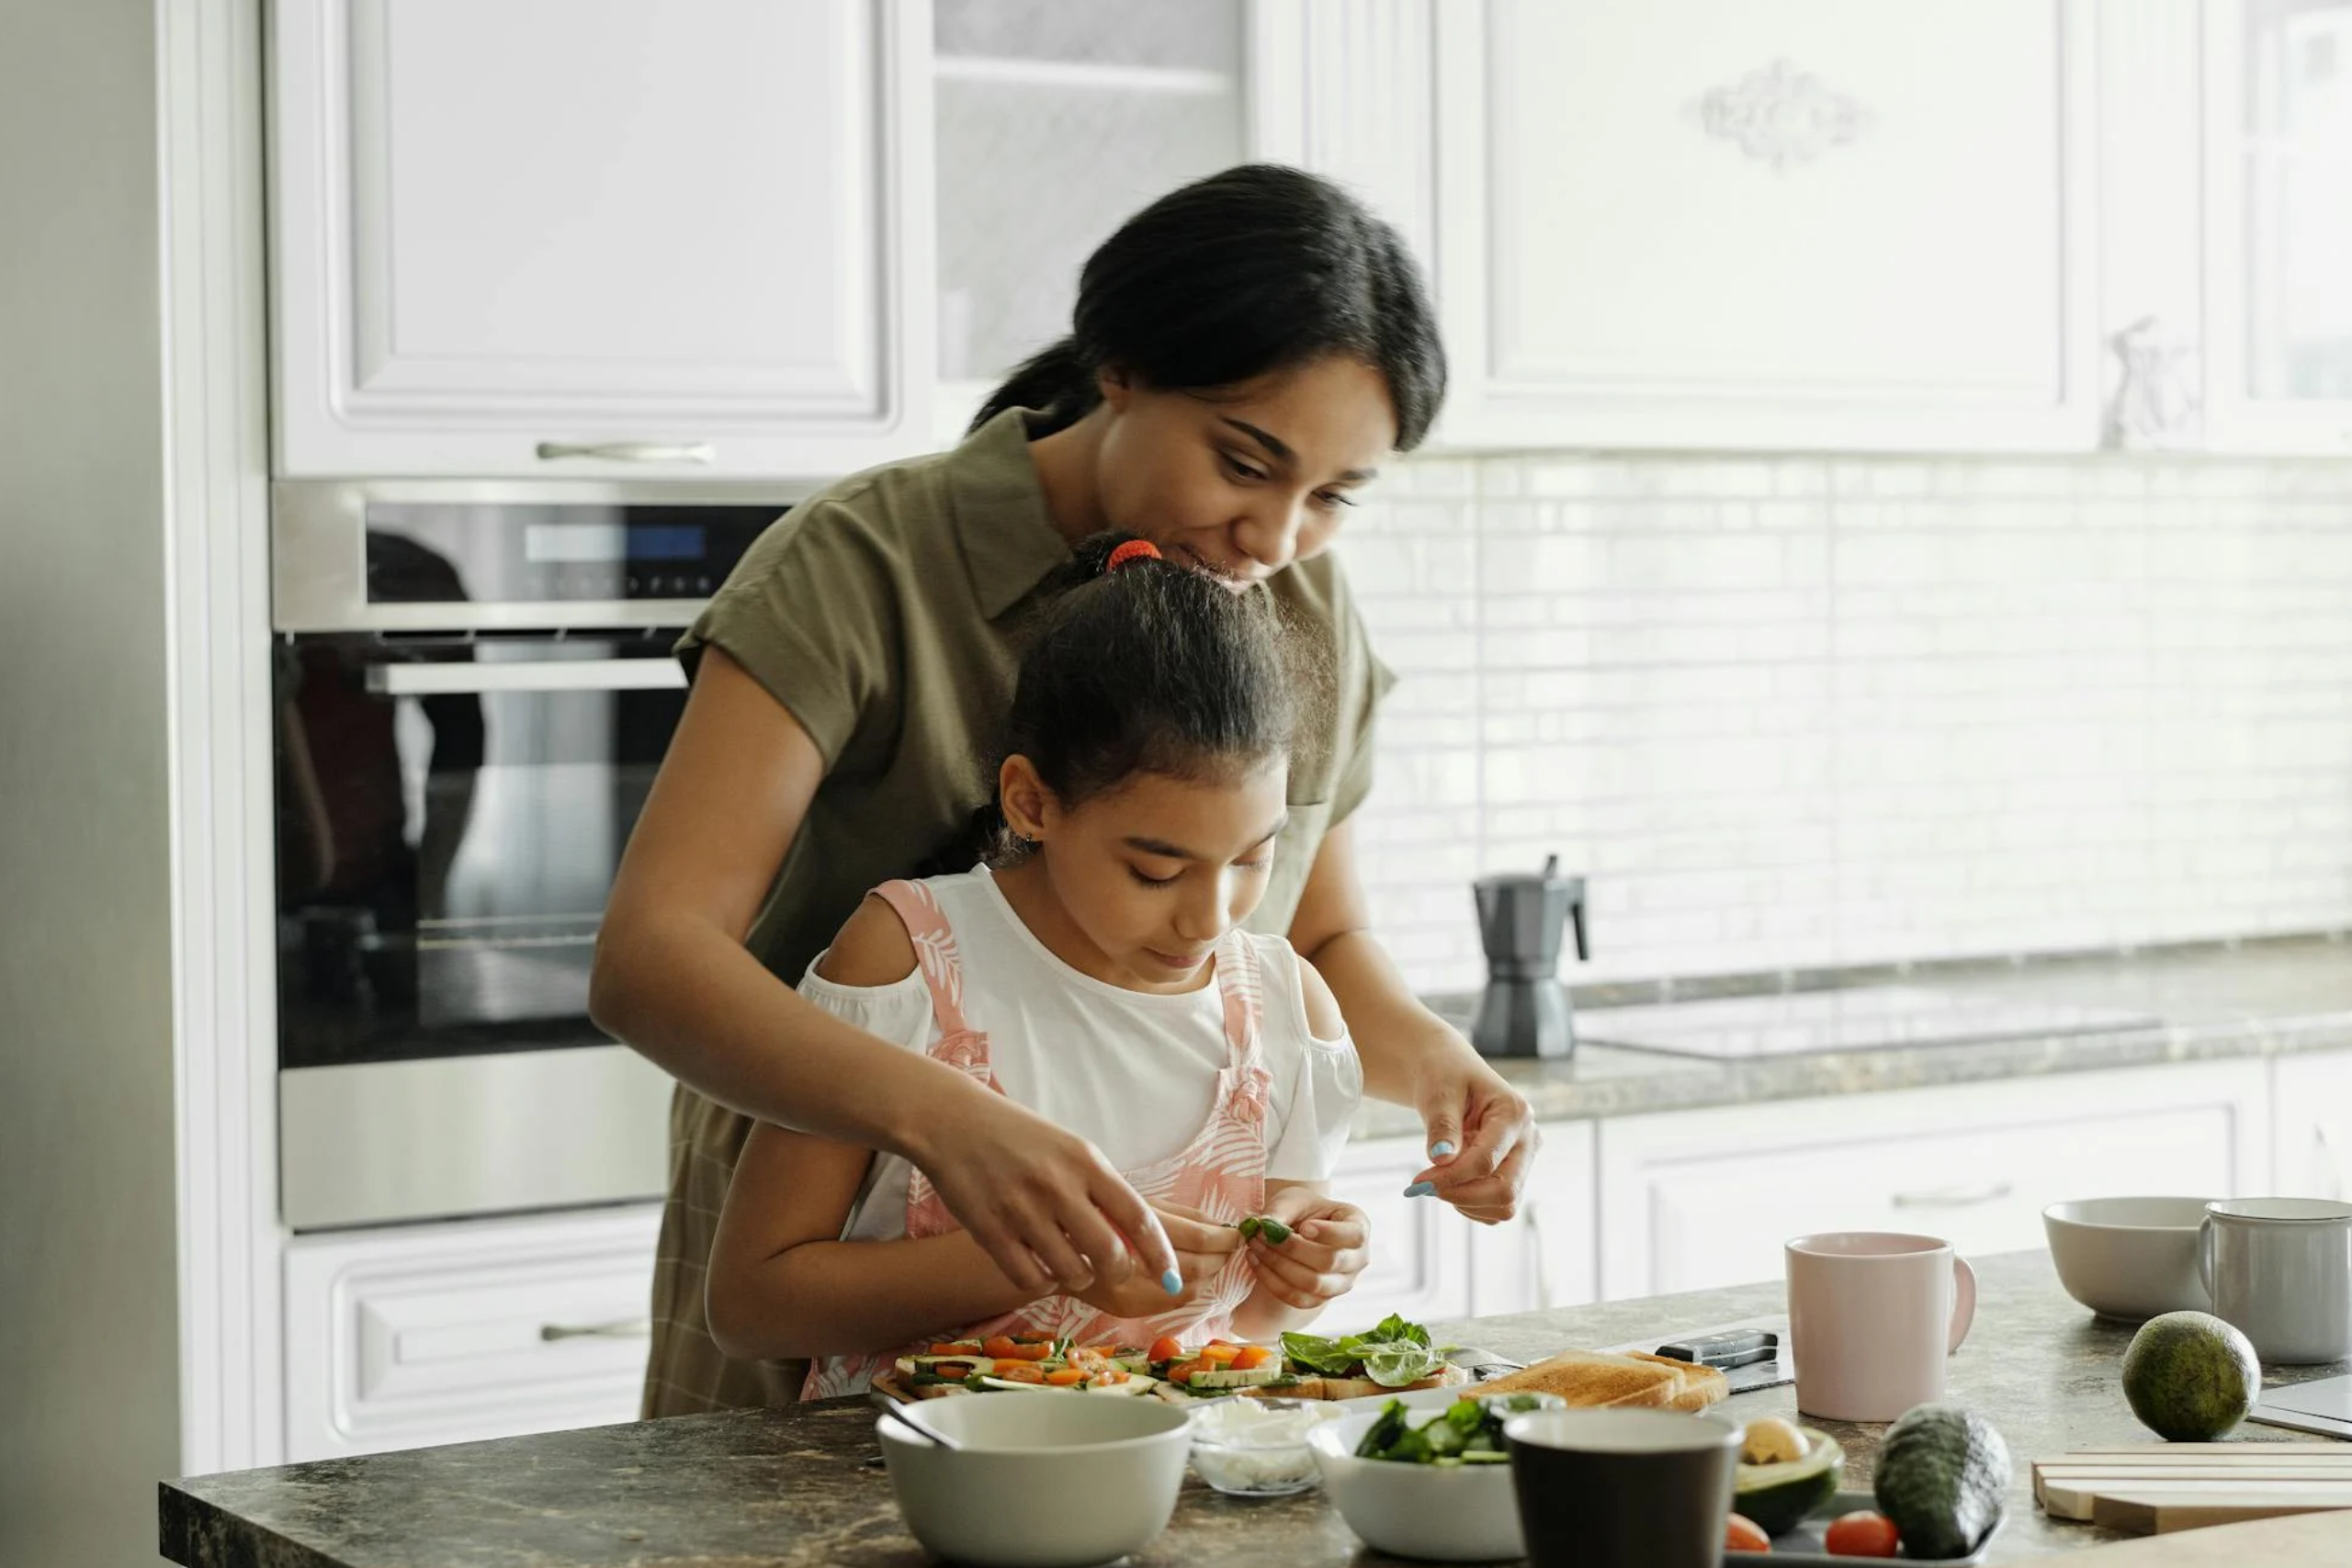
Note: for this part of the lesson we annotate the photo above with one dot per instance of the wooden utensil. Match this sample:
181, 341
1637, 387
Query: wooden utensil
2306, 1538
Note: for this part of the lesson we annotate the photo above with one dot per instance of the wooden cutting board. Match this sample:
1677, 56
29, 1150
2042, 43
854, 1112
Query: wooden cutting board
2315, 1539
2161, 1488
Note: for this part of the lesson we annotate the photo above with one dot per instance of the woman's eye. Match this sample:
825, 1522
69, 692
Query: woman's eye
1332, 499
1149, 881
1241, 470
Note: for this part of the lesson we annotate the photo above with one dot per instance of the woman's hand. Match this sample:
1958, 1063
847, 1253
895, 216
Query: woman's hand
1325, 1251
1483, 1136
1042, 1203
1203, 1249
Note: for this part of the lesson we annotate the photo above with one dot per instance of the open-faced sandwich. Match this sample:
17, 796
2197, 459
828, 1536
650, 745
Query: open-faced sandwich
1022, 1361
1390, 1358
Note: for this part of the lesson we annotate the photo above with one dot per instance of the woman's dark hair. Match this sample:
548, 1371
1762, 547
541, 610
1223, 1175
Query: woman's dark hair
1259, 269
1151, 668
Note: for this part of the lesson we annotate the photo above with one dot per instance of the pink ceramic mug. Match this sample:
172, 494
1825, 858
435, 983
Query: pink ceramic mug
1872, 1316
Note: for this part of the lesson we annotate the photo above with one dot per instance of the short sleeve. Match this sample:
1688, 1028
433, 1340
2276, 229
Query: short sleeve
1362, 683
811, 614
1319, 1087
898, 1013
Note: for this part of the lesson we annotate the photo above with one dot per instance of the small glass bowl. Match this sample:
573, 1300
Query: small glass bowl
1257, 1447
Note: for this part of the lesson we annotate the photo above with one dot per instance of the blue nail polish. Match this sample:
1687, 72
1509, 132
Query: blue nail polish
1172, 1282
1441, 1148
1420, 1189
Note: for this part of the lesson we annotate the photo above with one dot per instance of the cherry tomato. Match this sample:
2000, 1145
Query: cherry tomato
1744, 1534
1862, 1534
1181, 1372
1217, 1353
1000, 1347
1167, 1348
1066, 1377
1019, 1371
1252, 1356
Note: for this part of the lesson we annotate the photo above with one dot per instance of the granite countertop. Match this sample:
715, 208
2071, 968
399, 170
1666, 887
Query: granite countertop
2256, 999
767, 1489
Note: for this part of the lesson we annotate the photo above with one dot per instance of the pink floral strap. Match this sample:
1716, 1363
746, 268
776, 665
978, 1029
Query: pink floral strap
942, 971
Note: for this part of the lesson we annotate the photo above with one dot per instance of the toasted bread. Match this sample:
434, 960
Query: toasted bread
1603, 1379
1699, 1386
1364, 1388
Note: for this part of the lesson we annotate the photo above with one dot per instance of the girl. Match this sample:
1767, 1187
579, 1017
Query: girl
1094, 970
1245, 353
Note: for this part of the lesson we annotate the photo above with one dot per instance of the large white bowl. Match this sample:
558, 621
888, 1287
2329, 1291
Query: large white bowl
1044, 1481
1445, 1513
2131, 1258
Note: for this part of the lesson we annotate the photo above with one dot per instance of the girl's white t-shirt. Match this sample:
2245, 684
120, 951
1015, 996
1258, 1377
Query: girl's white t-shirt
1133, 1072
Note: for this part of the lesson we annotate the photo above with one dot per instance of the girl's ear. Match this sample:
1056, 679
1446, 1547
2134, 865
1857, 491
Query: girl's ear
1026, 800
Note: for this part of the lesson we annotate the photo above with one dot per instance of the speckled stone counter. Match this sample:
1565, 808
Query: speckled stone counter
2259, 998
793, 1486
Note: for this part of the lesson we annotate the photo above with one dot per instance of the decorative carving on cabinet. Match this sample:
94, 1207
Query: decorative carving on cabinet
1781, 113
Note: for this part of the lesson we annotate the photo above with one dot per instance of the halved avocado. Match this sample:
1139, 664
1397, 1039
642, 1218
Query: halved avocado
1780, 1496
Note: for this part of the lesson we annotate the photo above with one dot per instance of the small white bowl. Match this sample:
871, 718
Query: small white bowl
1444, 1513
2131, 1258
1045, 1482
1257, 1447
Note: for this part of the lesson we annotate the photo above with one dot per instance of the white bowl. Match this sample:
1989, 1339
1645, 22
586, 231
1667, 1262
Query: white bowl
1042, 1481
2131, 1258
1445, 1513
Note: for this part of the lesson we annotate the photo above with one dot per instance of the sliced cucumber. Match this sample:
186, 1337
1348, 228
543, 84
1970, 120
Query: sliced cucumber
1227, 1377
984, 1380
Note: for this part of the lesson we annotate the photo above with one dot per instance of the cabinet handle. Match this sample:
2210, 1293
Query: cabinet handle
1953, 1197
625, 1328
630, 451
1535, 1257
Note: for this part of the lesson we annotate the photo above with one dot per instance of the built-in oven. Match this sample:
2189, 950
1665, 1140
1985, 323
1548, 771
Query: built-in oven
474, 687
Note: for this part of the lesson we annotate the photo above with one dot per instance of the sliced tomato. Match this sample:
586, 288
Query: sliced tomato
1019, 1371
1744, 1534
1000, 1347
1066, 1377
1111, 1375
958, 1368
953, 1348
1167, 1348
1181, 1372
1252, 1356
1033, 1350
1219, 1353
1862, 1534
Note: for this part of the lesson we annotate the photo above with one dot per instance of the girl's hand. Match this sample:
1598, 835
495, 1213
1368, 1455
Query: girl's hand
1203, 1249
1483, 1138
1325, 1253
1042, 1203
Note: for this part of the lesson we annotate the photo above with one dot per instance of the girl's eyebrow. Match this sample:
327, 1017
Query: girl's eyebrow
1279, 449
1162, 848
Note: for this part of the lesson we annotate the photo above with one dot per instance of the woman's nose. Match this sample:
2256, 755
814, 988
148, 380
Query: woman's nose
1270, 537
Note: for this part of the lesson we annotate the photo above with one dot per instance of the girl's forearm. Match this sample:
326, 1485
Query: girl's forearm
1396, 1037
703, 1009
826, 1297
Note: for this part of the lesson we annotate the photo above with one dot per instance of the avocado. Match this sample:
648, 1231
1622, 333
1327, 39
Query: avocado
1782, 1495
1254, 1377
1942, 1472
2189, 1377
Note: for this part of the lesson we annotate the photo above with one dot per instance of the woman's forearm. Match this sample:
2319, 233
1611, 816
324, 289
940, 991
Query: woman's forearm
827, 1298
698, 1003
1397, 1037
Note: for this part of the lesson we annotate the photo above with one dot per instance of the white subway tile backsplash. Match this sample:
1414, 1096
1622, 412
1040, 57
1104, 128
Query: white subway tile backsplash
1805, 712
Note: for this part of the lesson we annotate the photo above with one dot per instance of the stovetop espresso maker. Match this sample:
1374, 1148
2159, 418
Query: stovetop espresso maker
1524, 1011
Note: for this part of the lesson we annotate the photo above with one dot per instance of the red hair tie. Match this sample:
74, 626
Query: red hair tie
1134, 549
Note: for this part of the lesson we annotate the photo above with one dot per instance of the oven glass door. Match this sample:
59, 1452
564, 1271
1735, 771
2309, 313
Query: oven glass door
451, 813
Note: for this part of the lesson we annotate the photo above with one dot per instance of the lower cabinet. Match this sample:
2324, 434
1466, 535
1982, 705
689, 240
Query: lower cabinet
1421, 1250
1694, 1200
444, 1334
2312, 1125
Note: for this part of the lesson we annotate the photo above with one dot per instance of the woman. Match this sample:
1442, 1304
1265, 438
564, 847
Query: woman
1243, 352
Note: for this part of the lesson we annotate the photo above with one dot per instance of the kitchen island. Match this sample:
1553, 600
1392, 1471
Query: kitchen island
795, 1487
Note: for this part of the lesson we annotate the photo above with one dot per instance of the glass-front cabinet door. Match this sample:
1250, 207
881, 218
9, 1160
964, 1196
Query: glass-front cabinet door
1055, 122
2279, 263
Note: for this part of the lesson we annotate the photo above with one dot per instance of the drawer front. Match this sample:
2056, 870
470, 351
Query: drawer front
1707, 1198
2312, 1100
1420, 1247
452, 1333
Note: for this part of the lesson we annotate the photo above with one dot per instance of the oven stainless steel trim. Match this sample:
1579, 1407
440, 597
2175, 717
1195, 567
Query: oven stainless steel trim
527, 675
318, 552
378, 1142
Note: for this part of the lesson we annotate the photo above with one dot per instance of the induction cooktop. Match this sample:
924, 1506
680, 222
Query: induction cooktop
1864, 1017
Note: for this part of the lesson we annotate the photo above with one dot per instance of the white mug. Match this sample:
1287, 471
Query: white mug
2280, 1270
1873, 1317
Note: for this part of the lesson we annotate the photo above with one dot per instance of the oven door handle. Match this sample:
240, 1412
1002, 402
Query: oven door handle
536, 676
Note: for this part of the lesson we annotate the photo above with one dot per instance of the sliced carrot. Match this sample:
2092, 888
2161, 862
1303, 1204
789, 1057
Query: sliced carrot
1167, 1348
1252, 1356
1066, 1377
1019, 1371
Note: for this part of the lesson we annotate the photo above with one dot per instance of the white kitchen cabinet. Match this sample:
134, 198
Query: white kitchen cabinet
551, 238
1548, 1255
1693, 1200
2278, 81
1797, 223
2312, 1126
442, 1334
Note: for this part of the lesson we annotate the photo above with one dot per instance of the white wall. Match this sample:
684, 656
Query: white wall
88, 1362
1822, 711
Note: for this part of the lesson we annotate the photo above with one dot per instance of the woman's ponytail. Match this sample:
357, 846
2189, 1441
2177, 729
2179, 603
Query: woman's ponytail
1058, 383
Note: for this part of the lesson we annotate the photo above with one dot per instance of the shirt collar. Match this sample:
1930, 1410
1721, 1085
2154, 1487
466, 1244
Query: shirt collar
1008, 535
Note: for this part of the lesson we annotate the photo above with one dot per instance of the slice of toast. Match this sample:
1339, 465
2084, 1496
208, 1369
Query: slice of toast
1596, 1378
1698, 1385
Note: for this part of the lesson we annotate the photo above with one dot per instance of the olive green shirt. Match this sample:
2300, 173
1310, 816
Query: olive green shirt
886, 615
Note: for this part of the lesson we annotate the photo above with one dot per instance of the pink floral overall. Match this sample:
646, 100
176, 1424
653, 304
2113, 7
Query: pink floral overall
1221, 1173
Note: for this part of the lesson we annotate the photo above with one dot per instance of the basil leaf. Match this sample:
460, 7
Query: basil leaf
1394, 1366
1332, 1358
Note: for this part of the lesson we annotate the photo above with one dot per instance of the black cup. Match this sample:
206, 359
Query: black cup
1623, 1488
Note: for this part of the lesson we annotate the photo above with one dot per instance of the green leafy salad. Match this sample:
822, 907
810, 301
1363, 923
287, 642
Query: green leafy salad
1392, 1353
1470, 1432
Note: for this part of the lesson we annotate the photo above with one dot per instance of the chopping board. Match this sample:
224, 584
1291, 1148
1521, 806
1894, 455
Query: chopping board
2162, 1488
2315, 1539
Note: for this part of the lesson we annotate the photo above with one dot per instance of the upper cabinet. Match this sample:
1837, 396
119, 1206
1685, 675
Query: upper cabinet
1808, 223
2278, 82
553, 238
